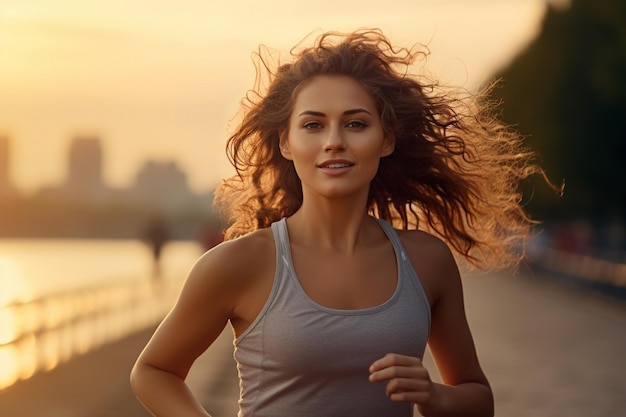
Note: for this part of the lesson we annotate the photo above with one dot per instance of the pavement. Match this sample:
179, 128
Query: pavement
549, 350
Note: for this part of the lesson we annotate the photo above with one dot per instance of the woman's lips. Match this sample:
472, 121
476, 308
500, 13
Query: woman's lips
335, 167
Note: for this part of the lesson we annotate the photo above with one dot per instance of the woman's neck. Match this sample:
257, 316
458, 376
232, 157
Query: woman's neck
332, 224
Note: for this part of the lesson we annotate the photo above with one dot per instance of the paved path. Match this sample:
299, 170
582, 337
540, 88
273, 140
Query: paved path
214, 378
549, 351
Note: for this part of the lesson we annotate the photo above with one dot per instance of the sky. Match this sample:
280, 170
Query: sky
162, 79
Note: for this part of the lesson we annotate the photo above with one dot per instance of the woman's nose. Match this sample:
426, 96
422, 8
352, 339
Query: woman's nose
334, 139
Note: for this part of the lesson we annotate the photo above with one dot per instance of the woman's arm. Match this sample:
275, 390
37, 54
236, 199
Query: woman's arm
465, 390
203, 309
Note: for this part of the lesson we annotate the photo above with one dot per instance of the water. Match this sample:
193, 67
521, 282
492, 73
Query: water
61, 298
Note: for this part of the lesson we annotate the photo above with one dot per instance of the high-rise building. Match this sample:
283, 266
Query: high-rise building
5, 159
162, 184
85, 167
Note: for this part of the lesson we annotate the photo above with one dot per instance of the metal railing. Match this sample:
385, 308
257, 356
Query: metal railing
40, 334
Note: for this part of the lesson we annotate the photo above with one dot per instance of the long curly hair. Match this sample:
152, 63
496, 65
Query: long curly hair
454, 173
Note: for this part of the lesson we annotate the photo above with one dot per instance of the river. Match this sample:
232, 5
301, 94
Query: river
63, 297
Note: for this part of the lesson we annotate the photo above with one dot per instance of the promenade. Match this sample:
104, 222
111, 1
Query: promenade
549, 350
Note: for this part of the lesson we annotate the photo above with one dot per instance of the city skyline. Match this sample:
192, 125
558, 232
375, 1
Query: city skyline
84, 205
162, 183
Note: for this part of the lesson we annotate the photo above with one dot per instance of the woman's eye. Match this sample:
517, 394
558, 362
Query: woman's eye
312, 125
355, 124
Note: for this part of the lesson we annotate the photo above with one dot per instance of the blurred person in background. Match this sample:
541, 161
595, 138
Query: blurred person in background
156, 234
357, 183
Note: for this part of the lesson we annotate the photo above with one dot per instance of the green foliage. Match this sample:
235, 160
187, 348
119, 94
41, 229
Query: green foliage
567, 93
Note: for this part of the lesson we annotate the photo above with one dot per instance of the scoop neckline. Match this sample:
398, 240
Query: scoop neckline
358, 311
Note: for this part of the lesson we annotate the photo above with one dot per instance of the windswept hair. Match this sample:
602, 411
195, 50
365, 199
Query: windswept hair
454, 173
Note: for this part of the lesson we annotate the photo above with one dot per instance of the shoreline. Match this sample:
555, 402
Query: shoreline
96, 384
92, 384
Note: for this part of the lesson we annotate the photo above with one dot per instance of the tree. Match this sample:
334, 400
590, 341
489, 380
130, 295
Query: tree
567, 93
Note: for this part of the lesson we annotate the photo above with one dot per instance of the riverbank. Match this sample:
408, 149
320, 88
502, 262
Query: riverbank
100, 292
96, 384
91, 385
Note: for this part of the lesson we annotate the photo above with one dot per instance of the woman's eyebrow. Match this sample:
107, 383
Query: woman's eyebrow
355, 111
346, 113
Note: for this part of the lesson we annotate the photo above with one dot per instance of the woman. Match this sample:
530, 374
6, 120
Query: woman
330, 306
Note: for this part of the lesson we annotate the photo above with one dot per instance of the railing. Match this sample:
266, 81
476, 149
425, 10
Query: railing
610, 276
38, 335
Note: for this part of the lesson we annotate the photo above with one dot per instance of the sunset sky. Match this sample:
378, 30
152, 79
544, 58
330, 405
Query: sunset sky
161, 79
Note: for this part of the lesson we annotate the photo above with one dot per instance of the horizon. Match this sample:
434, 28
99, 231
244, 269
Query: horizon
70, 177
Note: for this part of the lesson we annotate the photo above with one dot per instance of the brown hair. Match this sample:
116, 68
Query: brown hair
454, 173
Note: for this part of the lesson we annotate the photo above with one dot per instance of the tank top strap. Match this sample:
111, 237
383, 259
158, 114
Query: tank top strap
406, 269
279, 229
395, 240
281, 241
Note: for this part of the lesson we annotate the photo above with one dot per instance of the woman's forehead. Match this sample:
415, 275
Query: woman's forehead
332, 92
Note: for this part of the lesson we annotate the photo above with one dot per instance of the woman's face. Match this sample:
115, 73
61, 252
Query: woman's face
335, 137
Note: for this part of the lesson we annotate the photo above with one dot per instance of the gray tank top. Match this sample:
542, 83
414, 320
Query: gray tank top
301, 359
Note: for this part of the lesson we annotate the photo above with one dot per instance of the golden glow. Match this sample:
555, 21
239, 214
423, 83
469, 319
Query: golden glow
50, 346
29, 317
13, 287
9, 366
62, 319
27, 348
161, 80
55, 312
8, 330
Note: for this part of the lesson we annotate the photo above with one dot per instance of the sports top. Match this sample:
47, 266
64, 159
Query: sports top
301, 359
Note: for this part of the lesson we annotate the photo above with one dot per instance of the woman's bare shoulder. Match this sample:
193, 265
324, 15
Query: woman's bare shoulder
240, 273
211, 296
425, 245
229, 271
432, 260
238, 258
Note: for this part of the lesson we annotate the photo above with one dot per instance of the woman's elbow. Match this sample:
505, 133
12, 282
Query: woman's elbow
136, 376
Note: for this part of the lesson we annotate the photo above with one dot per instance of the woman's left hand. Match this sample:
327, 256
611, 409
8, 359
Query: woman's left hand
407, 379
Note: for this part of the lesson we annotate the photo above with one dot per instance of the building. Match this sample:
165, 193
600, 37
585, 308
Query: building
6, 186
84, 180
85, 168
162, 184
84, 205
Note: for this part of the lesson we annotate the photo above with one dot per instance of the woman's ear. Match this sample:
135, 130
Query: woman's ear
283, 144
389, 145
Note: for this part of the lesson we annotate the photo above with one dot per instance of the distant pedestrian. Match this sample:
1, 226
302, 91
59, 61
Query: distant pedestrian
156, 234
356, 181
